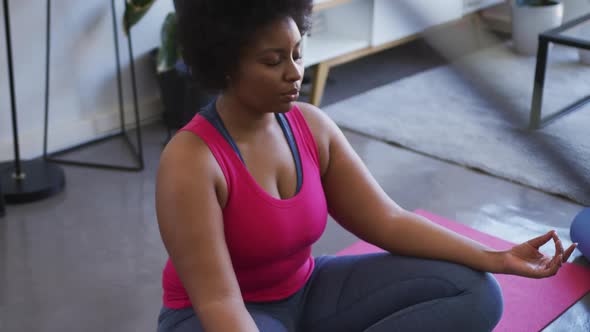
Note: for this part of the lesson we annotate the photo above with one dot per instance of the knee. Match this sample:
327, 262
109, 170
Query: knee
487, 296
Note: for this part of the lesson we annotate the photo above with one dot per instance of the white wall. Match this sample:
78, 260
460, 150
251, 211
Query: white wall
84, 99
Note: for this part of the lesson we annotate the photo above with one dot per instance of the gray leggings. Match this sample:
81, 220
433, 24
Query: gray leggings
374, 292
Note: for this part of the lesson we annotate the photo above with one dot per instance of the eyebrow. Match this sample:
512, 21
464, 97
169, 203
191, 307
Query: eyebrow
277, 50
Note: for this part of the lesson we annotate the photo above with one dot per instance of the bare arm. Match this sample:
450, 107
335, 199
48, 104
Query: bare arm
191, 225
361, 206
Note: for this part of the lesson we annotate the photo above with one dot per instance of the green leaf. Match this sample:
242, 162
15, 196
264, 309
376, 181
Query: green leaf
168, 53
134, 11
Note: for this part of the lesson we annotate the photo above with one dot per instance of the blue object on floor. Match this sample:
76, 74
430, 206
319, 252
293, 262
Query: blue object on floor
580, 232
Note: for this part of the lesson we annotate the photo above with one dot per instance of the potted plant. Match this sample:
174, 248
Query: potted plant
530, 18
180, 95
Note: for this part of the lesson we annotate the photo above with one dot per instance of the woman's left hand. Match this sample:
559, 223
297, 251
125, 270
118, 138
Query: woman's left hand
526, 260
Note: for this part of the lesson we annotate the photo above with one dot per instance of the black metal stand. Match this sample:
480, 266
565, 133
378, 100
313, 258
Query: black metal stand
136, 152
554, 36
32, 180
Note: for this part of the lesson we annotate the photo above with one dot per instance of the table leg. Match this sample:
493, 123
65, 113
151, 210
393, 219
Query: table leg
319, 83
537, 102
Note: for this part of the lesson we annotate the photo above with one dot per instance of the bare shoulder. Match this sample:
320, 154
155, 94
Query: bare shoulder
321, 127
315, 117
185, 151
186, 160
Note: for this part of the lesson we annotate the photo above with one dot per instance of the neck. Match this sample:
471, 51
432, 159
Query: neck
241, 120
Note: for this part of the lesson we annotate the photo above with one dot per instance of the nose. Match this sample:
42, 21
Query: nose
293, 71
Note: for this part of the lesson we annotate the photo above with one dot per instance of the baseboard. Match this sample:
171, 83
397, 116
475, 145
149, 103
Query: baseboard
71, 133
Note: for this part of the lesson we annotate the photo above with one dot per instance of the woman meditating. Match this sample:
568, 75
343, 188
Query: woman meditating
244, 191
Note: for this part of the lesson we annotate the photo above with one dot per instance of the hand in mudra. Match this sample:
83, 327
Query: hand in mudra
526, 260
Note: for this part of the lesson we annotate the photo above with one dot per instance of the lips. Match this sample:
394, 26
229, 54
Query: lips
291, 92
290, 95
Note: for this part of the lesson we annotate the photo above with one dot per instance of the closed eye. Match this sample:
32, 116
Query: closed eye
276, 62
273, 63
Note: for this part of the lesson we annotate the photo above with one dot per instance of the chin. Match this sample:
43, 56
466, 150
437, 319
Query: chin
284, 107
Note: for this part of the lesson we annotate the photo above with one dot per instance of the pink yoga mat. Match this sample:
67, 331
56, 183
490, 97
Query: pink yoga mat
529, 304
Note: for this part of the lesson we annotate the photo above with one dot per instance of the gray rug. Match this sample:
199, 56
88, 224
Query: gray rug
475, 112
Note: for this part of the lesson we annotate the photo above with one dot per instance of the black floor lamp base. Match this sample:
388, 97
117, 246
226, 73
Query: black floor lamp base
40, 180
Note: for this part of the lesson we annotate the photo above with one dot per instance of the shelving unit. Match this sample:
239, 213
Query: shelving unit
345, 30
393, 20
325, 47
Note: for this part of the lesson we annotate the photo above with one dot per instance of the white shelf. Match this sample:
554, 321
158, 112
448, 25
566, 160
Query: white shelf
319, 48
338, 30
394, 20
344, 30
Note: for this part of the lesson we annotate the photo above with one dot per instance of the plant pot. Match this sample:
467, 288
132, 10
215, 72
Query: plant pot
528, 22
180, 96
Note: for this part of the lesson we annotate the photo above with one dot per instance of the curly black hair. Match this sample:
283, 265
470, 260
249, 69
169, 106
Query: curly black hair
212, 33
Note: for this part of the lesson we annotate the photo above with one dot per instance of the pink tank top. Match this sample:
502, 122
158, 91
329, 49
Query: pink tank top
269, 239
